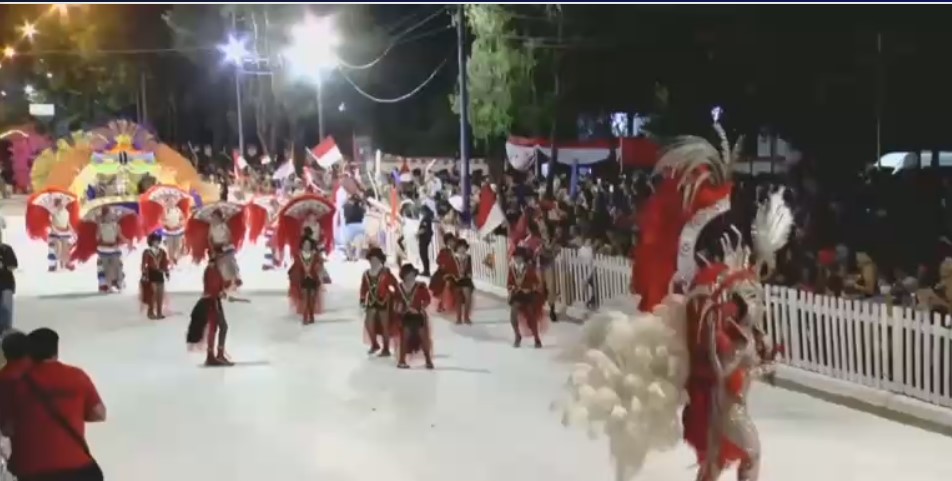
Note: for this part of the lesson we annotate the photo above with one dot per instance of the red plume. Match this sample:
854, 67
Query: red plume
150, 214
86, 241
327, 228
196, 239
236, 224
130, 229
257, 221
287, 234
38, 221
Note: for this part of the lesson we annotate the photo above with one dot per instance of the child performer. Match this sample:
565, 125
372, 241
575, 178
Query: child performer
376, 291
526, 304
444, 259
459, 277
155, 271
306, 280
409, 307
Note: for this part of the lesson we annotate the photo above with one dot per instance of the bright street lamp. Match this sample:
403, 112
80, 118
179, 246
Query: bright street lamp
9, 52
235, 52
312, 53
29, 90
28, 30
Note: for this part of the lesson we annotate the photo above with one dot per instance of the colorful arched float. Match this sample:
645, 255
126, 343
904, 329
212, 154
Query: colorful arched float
107, 174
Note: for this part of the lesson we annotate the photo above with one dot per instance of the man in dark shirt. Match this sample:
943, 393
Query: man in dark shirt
424, 238
8, 286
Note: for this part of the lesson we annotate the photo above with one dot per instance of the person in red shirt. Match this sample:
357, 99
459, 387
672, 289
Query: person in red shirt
155, 270
208, 313
15, 346
526, 302
444, 259
50, 408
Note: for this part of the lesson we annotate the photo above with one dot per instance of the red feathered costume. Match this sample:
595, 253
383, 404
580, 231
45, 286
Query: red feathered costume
218, 229
154, 204
305, 210
459, 274
444, 258
527, 295
96, 235
52, 215
306, 275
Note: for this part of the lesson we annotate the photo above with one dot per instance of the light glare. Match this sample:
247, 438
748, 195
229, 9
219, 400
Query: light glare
235, 50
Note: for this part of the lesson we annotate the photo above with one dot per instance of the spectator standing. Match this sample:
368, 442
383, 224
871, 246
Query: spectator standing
8, 285
425, 238
50, 408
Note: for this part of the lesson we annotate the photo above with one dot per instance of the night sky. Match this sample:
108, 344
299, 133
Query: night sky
813, 72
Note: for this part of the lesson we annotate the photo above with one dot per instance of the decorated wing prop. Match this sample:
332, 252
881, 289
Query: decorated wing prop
152, 205
295, 213
42, 206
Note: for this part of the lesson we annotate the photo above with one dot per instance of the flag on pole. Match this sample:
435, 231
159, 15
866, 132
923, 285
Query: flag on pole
284, 171
489, 216
326, 153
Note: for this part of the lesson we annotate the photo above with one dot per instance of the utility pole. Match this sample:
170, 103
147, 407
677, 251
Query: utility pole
320, 109
238, 67
463, 115
879, 98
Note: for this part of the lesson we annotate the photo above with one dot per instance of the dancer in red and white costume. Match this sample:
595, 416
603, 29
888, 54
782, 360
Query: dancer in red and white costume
526, 301
155, 271
444, 259
103, 232
306, 281
302, 212
701, 318
166, 207
410, 317
52, 215
263, 220
208, 321
218, 229
377, 288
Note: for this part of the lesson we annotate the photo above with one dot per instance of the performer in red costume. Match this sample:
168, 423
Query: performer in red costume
459, 280
155, 271
377, 288
306, 278
104, 231
218, 230
526, 301
166, 207
409, 308
263, 219
444, 259
208, 317
52, 215
701, 316
305, 211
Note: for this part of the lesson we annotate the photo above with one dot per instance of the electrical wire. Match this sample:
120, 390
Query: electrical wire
393, 42
396, 99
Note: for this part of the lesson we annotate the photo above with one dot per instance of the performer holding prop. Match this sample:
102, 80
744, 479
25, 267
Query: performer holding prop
263, 219
302, 211
166, 207
218, 229
103, 231
699, 336
208, 321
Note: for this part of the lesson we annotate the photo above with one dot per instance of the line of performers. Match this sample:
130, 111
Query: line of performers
395, 309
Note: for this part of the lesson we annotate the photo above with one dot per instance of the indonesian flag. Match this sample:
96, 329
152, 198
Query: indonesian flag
490, 215
284, 171
326, 153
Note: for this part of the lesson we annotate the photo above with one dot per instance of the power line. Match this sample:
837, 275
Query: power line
396, 99
132, 51
393, 42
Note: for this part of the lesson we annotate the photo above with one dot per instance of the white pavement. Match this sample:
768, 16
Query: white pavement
307, 404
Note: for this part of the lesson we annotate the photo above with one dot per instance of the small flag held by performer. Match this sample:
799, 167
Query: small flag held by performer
326, 153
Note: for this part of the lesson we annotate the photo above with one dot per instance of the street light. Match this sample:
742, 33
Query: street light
235, 52
312, 53
29, 90
9, 52
28, 30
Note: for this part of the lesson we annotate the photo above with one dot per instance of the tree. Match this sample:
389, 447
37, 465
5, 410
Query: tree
74, 67
501, 72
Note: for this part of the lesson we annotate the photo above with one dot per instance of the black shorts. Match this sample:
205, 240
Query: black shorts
413, 321
464, 283
522, 298
309, 283
156, 276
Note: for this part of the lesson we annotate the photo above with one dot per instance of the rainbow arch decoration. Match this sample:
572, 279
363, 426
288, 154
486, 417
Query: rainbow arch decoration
108, 165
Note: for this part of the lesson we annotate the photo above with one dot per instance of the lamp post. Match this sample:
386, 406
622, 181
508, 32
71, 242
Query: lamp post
311, 54
235, 52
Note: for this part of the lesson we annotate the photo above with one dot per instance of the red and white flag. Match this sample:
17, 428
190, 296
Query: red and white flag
285, 170
489, 216
326, 153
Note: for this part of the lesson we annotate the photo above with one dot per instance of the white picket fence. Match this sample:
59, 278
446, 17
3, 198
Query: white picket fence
890, 349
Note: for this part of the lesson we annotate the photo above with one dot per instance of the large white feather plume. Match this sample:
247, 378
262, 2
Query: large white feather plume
771, 228
628, 382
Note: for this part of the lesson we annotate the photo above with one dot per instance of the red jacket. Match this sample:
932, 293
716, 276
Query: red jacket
307, 268
415, 300
526, 281
213, 281
155, 261
376, 290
